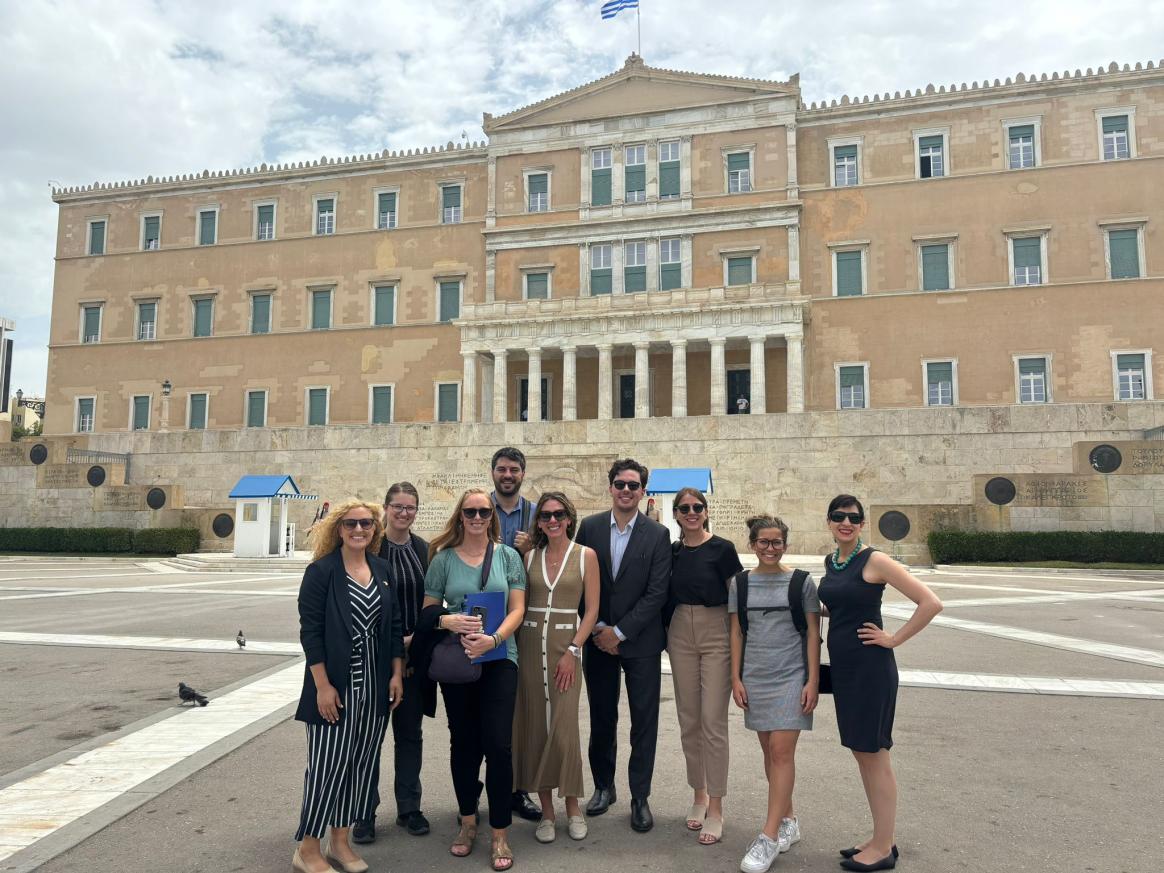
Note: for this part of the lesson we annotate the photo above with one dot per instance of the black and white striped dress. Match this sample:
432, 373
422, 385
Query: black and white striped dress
338, 788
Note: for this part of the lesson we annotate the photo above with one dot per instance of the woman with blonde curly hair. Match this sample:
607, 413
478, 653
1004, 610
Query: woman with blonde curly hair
350, 630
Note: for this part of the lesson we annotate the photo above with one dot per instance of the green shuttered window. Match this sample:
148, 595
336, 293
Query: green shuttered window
601, 277
325, 216
739, 167
539, 192
151, 237
265, 222
1116, 142
386, 210
448, 402
1021, 146
931, 160
141, 412
1124, 252
382, 404
940, 383
260, 313
450, 302
849, 279
1028, 259
207, 227
256, 409
97, 237
635, 173
851, 384
85, 407
384, 312
668, 180
197, 412
537, 286
739, 271
320, 310
1032, 380
600, 187
451, 204
670, 264
845, 166
635, 267
935, 267
147, 320
1130, 377
203, 316
91, 324
316, 406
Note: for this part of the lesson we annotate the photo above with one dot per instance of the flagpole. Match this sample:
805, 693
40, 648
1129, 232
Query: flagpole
639, 21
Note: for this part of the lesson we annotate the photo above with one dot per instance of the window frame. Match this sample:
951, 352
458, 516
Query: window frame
1149, 392
947, 164
255, 206
922, 243
99, 305
590, 250
373, 287
436, 401
133, 412
190, 395
1042, 234
1033, 121
459, 215
269, 293
537, 269
925, 364
247, 392
194, 301
198, 213
391, 386
437, 282
1130, 112
77, 414
141, 239
526, 173
376, 192
678, 240
837, 366
137, 320
659, 161
609, 167
315, 214
626, 165
311, 295
89, 222
1048, 397
836, 249
728, 256
627, 265
750, 151
1138, 227
307, 389
835, 142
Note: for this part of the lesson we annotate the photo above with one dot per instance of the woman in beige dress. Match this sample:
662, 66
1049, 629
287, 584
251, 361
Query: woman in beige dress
547, 748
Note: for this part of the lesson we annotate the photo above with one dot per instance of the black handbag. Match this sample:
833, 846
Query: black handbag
449, 664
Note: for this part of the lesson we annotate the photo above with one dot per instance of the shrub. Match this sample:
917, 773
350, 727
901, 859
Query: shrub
99, 540
1085, 547
165, 540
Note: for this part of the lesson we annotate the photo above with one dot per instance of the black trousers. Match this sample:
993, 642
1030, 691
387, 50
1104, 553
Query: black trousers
481, 726
407, 749
643, 678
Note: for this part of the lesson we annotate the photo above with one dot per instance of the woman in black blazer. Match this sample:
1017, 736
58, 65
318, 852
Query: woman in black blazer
349, 626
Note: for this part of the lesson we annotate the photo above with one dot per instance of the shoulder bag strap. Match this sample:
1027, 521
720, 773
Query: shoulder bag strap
742, 601
796, 600
486, 565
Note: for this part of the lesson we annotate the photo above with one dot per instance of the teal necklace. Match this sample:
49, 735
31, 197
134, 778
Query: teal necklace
840, 565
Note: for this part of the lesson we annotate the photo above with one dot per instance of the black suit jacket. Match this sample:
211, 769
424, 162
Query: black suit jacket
325, 630
635, 599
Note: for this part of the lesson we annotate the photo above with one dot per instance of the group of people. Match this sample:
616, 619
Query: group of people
514, 603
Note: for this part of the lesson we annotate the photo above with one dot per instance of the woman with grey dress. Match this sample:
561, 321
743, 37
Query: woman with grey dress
775, 676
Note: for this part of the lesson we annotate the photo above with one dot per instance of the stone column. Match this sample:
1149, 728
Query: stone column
486, 404
500, 380
569, 383
605, 380
469, 387
533, 394
794, 253
718, 377
642, 380
679, 378
759, 377
795, 372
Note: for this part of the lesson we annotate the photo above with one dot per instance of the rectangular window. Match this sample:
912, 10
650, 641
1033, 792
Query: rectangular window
321, 310
539, 192
537, 286
1032, 380
197, 412
203, 316
1116, 144
845, 166
207, 227
670, 264
849, 273
450, 300
851, 387
386, 210
384, 305
940, 383
256, 409
1027, 252
96, 238
1123, 247
600, 166
325, 216
931, 157
265, 222
85, 411
935, 262
448, 401
1130, 377
601, 279
739, 270
739, 167
669, 170
451, 204
1021, 146
90, 324
141, 412
260, 313
151, 233
147, 320
635, 267
317, 406
635, 173
381, 404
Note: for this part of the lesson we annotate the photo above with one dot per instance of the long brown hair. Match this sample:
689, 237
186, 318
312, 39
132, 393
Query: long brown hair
453, 533
540, 540
324, 537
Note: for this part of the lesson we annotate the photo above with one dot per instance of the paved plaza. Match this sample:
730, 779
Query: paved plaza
1028, 735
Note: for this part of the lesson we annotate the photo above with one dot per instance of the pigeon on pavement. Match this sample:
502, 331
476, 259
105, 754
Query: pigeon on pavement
241, 640
189, 695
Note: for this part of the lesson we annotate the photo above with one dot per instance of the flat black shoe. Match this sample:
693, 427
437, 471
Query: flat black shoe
600, 801
886, 863
641, 818
849, 853
525, 807
364, 831
414, 822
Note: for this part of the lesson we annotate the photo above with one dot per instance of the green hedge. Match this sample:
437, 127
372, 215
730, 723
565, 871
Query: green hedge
1087, 547
99, 540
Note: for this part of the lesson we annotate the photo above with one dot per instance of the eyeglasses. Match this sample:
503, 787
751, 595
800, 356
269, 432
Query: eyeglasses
836, 517
402, 508
690, 508
476, 511
556, 514
361, 523
769, 544
621, 485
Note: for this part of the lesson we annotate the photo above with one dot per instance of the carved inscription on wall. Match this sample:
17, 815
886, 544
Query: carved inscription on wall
123, 499
61, 476
729, 516
1147, 459
12, 456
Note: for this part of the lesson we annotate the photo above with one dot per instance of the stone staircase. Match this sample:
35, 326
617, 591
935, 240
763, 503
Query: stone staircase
225, 562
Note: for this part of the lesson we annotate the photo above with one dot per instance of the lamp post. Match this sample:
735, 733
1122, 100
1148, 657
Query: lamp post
164, 419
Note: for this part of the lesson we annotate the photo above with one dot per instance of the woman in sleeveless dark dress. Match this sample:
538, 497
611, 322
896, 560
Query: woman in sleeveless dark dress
864, 672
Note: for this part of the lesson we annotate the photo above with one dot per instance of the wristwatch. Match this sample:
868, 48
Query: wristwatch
574, 650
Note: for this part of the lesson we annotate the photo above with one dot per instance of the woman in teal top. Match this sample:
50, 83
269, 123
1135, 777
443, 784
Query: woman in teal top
480, 713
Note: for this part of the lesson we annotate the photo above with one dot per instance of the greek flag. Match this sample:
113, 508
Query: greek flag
611, 8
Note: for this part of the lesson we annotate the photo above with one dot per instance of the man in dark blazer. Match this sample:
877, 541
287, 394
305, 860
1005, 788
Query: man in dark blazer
634, 557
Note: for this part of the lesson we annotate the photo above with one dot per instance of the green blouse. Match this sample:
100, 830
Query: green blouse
449, 579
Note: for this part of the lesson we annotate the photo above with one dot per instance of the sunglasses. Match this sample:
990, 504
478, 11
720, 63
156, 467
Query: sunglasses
402, 508
769, 544
620, 485
853, 517
686, 508
556, 514
361, 523
477, 511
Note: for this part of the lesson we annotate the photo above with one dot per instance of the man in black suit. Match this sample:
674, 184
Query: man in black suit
634, 556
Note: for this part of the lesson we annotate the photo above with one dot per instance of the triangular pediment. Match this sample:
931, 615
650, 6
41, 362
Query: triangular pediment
637, 89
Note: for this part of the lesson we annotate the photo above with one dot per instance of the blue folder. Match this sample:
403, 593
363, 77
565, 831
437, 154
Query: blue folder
493, 602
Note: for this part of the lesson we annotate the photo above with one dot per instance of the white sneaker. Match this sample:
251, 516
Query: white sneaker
789, 833
763, 851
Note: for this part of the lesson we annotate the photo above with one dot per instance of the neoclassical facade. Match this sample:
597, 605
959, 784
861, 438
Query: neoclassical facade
651, 244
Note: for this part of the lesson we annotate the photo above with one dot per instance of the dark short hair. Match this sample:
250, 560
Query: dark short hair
845, 500
509, 453
401, 488
537, 534
758, 523
628, 464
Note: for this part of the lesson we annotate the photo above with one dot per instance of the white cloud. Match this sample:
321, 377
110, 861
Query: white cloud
111, 91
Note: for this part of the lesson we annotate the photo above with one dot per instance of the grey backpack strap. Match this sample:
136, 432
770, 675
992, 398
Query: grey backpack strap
796, 600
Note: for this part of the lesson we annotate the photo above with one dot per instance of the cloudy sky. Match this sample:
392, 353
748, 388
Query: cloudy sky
98, 90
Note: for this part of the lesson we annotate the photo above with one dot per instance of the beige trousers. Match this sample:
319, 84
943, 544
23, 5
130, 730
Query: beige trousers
701, 663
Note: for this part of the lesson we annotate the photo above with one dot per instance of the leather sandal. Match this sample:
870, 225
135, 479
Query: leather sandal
502, 857
695, 816
465, 837
712, 831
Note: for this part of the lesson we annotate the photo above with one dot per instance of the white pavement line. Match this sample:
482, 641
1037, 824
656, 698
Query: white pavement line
1133, 596
40, 805
1150, 657
159, 567
1055, 578
182, 644
1031, 684
165, 588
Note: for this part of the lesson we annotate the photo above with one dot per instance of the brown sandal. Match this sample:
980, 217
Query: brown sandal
465, 838
500, 855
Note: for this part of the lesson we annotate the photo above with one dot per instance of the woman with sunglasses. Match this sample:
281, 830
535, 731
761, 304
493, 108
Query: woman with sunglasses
349, 625
863, 669
547, 748
480, 713
699, 647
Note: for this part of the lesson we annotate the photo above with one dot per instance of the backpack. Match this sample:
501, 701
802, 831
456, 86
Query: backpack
795, 608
